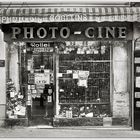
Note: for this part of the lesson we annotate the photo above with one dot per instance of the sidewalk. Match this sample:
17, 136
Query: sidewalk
50, 132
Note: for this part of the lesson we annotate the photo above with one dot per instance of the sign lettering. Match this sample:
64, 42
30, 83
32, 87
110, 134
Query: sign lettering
65, 32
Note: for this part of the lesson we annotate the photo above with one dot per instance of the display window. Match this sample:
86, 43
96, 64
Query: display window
84, 79
15, 86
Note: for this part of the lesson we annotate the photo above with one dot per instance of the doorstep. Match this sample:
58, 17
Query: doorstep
41, 127
97, 127
83, 127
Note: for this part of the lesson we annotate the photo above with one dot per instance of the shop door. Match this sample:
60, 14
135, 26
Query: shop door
41, 84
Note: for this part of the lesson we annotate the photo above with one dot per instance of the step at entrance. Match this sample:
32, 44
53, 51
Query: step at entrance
40, 120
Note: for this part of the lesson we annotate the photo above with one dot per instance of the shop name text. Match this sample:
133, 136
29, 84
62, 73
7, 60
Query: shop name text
65, 32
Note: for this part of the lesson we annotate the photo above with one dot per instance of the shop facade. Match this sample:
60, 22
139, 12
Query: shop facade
72, 71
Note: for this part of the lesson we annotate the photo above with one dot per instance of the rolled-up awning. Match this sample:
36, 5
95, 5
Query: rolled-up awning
69, 14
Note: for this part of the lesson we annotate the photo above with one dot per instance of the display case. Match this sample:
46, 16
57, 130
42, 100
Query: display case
84, 79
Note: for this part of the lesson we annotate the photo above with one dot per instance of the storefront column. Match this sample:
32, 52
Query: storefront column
2, 79
120, 72
14, 66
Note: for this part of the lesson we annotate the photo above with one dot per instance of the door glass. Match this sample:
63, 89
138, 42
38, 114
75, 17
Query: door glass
40, 73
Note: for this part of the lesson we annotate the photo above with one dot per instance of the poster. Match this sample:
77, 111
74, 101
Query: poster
41, 78
83, 77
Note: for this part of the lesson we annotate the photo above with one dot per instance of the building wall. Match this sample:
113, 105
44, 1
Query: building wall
2, 79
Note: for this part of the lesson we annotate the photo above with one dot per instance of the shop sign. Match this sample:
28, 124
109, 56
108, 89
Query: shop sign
2, 63
47, 18
37, 47
78, 31
65, 32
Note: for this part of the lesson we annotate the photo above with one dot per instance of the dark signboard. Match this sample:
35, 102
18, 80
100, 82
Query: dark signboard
2, 63
67, 31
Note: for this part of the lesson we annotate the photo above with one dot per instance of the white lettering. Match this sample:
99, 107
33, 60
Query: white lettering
15, 31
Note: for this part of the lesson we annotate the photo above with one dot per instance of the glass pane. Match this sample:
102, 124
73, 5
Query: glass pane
84, 79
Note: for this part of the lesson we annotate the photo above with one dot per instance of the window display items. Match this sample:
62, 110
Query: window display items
15, 102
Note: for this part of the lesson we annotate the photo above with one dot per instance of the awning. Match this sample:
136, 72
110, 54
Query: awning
69, 14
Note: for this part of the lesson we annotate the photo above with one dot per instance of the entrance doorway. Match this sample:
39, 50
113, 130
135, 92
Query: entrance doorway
40, 67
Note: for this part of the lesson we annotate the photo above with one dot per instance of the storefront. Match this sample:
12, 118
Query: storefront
75, 70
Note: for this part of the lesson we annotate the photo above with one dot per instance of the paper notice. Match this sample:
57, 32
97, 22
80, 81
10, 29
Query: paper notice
21, 111
75, 76
12, 94
138, 104
137, 94
83, 74
46, 71
137, 69
82, 83
49, 98
137, 81
34, 91
69, 71
28, 68
60, 75
41, 78
96, 51
29, 87
61, 90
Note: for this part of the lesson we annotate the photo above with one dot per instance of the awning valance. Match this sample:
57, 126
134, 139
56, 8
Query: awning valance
69, 14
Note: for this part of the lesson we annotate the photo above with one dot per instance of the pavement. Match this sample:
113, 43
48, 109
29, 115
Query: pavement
69, 132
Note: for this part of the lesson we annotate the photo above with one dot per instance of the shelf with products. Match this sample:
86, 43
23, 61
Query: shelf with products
84, 110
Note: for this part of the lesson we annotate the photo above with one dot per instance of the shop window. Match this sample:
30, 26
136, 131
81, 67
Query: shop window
84, 79
15, 88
